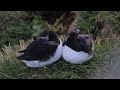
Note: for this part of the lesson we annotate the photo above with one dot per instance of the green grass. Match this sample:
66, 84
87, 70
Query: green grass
18, 27
12, 68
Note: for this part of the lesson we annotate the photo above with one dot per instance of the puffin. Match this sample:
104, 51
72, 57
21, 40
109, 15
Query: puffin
43, 51
78, 48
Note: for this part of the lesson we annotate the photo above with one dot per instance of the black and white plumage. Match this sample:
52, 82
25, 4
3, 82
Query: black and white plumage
43, 51
78, 48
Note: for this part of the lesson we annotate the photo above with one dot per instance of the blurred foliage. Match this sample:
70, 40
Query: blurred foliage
89, 19
17, 25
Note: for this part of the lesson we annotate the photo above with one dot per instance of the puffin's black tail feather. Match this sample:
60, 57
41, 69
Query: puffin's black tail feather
25, 57
21, 57
22, 51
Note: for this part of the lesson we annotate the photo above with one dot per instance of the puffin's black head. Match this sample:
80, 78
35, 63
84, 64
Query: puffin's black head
82, 40
48, 35
43, 34
53, 36
72, 41
73, 35
79, 42
85, 42
71, 38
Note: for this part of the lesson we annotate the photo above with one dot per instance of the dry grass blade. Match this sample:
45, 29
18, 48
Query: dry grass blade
7, 75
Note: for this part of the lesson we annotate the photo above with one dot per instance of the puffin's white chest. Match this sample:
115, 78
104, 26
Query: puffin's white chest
74, 57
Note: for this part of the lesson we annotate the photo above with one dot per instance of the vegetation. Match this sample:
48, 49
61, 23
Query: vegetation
18, 30
17, 27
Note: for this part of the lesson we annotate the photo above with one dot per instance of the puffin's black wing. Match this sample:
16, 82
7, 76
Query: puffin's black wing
39, 50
